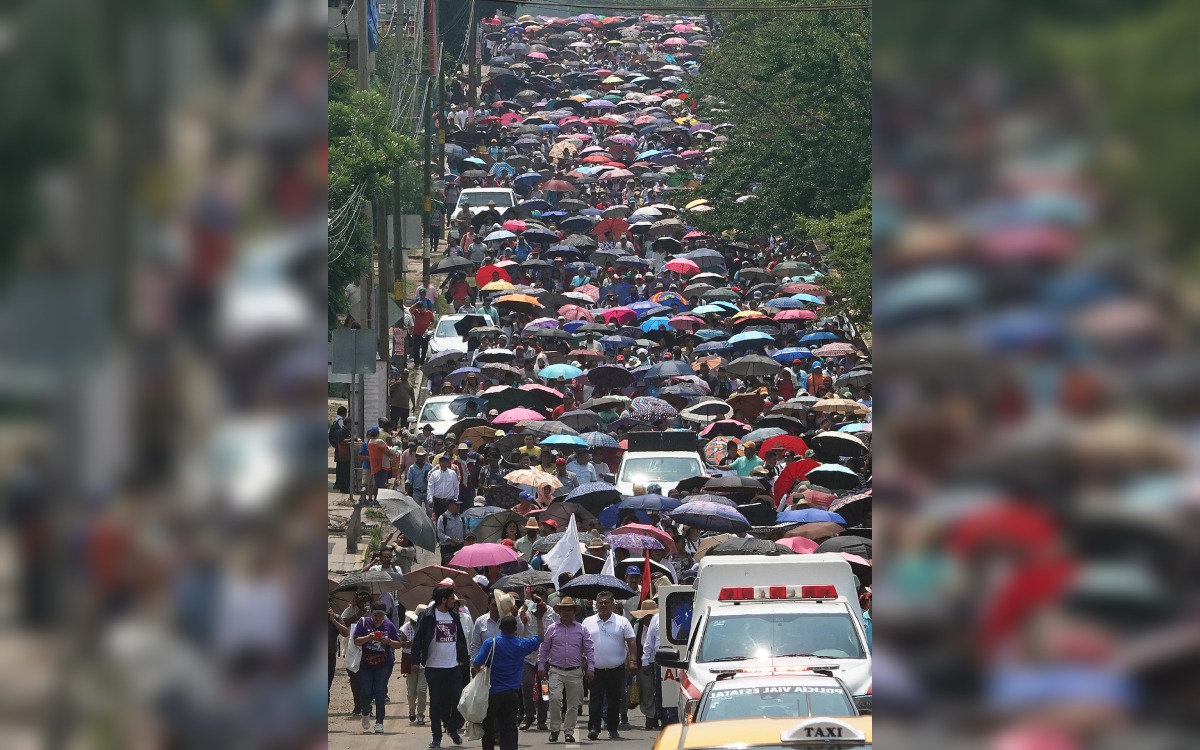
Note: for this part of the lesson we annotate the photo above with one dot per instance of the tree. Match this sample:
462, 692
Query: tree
797, 88
847, 237
364, 151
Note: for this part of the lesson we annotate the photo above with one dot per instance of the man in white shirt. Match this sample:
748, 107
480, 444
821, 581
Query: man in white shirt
614, 643
488, 625
443, 485
581, 466
451, 530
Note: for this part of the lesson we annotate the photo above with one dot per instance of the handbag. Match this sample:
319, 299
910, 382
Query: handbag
473, 703
635, 692
353, 651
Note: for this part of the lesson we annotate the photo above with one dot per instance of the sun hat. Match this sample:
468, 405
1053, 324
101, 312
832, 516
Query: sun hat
648, 607
566, 602
413, 614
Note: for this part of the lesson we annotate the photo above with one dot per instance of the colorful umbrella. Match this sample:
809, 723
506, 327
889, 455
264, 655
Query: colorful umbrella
481, 555
650, 409
720, 449
632, 542
837, 349
512, 416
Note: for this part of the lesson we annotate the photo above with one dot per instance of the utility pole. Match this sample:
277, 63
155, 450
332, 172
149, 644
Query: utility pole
383, 288
364, 45
427, 209
440, 163
473, 65
399, 251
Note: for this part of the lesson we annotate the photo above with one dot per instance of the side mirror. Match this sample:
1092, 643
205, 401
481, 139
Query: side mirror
689, 712
669, 658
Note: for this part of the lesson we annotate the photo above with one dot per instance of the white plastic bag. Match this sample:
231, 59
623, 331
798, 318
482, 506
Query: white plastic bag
353, 651
473, 703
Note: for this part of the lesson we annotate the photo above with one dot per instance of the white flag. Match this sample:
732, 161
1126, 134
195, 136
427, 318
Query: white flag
610, 564
564, 557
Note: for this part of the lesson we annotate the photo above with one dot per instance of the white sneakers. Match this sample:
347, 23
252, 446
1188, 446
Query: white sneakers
378, 729
366, 723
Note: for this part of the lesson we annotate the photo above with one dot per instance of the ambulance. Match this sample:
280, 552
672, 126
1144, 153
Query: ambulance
761, 615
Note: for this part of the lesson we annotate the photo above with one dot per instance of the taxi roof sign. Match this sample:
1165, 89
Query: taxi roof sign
822, 730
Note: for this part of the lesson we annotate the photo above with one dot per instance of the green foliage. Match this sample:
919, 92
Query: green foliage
364, 151
848, 238
797, 87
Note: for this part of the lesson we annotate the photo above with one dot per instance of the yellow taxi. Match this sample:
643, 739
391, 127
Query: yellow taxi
842, 733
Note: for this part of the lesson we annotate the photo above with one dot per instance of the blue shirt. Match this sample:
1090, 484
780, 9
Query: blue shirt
418, 476
509, 664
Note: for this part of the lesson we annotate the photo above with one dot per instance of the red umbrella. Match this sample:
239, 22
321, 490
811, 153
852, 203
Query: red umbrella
591, 290
796, 315
621, 315
784, 443
682, 265
643, 530
794, 472
685, 322
559, 186
508, 118
615, 227
515, 225
485, 274
575, 312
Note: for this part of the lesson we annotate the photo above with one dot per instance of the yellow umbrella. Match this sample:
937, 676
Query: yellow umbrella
697, 202
499, 286
839, 406
748, 314
613, 79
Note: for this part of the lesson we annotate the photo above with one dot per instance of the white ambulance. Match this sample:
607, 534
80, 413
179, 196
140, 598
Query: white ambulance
751, 614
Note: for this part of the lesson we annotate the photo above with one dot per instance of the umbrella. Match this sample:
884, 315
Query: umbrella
753, 365
811, 515
500, 371
834, 350
839, 444
524, 578
519, 303
589, 585
553, 372
710, 517
818, 531
452, 263
761, 434
613, 226
784, 443
632, 542
449, 359
682, 265
512, 416
650, 409
484, 554
708, 498
544, 429
484, 275
656, 503
798, 544
409, 517
533, 478
834, 476
464, 326
670, 369
646, 530
554, 440
375, 581
706, 411
491, 528
561, 513
749, 546
854, 545
727, 427
610, 376
546, 543
854, 508
732, 484
504, 399
580, 420
595, 496
600, 440
839, 406
422, 582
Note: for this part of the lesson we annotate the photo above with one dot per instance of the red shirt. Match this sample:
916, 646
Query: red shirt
422, 320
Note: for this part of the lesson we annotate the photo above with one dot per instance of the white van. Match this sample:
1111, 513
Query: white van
475, 200
751, 614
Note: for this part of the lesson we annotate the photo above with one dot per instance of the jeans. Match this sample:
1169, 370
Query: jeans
375, 681
606, 686
531, 696
362, 703
445, 688
501, 719
414, 681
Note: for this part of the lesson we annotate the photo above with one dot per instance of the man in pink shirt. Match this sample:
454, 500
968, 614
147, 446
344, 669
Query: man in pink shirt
568, 658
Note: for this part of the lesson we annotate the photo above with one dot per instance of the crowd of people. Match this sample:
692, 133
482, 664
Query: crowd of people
594, 312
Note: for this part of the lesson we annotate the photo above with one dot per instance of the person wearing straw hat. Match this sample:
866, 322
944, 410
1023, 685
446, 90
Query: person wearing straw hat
524, 545
644, 615
567, 658
487, 625
414, 677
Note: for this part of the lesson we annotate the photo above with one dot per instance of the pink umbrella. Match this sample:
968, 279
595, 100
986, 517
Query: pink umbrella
686, 322
590, 290
694, 234
484, 554
621, 315
510, 118
674, 42
682, 265
836, 349
515, 225
794, 543
537, 56
512, 416
575, 312
796, 315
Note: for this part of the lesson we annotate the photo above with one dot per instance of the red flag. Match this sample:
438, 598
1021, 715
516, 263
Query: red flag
646, 588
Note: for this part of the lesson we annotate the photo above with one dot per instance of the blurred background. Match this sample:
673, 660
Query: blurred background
162, 373
1035, 303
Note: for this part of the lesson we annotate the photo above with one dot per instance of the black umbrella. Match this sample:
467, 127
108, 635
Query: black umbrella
465, 424
561, 513
547, 542
734, 485
375, 581
753, 365
692, 484
451, 359
464, 326
706, 498
855, 545
525, 578
589, 585
856, 509
409, 517
838, 444
510, 398
790, 425
544, 429
595, 496
758, 513
610, 376
834, 476
750, 546
503, 495
580, 420
491, 528
452, 263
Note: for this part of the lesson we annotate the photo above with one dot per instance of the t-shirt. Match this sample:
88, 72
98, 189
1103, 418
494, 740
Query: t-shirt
745, 464
443, 649
374, 649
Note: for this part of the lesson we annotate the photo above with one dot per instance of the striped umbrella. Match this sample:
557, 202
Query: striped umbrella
600, 440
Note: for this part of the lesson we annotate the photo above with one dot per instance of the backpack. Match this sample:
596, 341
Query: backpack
337, 431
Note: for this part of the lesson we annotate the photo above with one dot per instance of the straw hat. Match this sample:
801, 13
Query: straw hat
648, 607
566, 603
413, 614
506, 604
532, 524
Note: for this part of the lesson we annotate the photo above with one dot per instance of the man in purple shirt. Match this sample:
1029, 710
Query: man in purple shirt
567, 656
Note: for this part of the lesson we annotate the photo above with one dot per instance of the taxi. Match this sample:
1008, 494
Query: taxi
843, 733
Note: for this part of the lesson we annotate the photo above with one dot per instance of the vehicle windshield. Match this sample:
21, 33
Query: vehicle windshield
789, 634
479, 199
786, 701
441, 411
662, 469
445, 329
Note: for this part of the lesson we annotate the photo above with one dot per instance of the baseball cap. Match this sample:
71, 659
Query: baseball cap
373, 431
551, 523
463, 446
633, 570
560, 461
525, 495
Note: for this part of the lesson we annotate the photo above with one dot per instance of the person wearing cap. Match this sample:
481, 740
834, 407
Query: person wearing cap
524, 545
443, 485
414, 676
569, 480
416, 479
547, 527
451, 528
581, 466
422, 314
614, 644
633, 579
747, 462
440, 648
567, 658
378, 637
506, 652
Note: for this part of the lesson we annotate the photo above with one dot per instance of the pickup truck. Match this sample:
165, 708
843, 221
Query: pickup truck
475, 200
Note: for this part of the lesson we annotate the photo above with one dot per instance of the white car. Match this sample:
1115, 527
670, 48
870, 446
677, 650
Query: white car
664, 468
442, 412
475, 200
445, 338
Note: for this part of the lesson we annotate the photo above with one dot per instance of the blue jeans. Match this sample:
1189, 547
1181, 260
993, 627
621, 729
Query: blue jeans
374, 686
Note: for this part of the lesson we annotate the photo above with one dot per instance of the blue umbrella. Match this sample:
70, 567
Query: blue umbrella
785, 356
656, 324
595, 496
657, 503
807, 298
600, 440
564, 440
534, 204
711, 334
527, 179
548, 126
784, 303
553, 372
810, 515
501, 167
712, 347
670, 369
577, 223
854, 427
455, 151
710, 517
574, 325
818, 336
617, 341
461, 374
752, 338
633, 542
476, 161
710, 310
643, 306
609, 518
